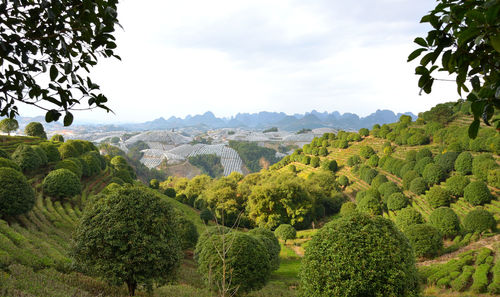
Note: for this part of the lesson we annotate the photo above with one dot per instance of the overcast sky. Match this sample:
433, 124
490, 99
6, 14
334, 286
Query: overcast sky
229, 56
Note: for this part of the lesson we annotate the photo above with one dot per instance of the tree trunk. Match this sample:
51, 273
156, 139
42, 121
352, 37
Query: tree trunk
131, 287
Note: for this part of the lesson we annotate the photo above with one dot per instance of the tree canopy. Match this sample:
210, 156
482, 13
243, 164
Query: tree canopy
53, 42
465, 37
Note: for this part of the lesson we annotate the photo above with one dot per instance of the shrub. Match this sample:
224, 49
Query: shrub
433, 174
271, 244
364, 132
368, 175
445, 220
421, 164
494, 287
378, 181
369, 205
494, 178
51, 151
314, 162
9, 163
477, 193
306, 160
16, 195
480, 278
3, 154
425, 240
154, 183
348, 208
373, 161
446, 160
353, 160
144, 224
482, 164
330, 165
479, 220
205, 215
35, 129
407, 168
387, 189
187, 231
26, 157
343, 181
331, 265
246, 262
124, 175
170, 192
92, 163
285, 232
437, 197
366, 151
397, 201
61, 183
41, 153
408, 177
456, 185
423, 153
72, 165
407, 217
68, 150
463, 163
57, 137
418, 186
411, 156
462, 281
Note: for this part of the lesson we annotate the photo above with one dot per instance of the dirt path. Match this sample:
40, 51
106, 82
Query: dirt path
485, 242
297, 250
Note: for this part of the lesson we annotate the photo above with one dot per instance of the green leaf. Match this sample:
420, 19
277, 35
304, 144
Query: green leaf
415, 54
52, 116
420, 41
477, 108
473, 129
53, 72
495, 42
68, 119
476, 84
466, 35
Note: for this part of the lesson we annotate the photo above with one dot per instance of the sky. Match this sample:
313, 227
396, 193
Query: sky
234, 56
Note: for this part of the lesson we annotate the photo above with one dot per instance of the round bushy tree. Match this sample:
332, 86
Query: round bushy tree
364, 132
421, 164
285, 232
348, 208
369, 205
368, 175
41, 153
407, 217
8, 125
411, 156
57, 137
16, 195
479, 220
456, 185
446, 160
463, 163
26, 157
271, 243
139, 244
330, 165
343, 181
9, 163
366, 151
72, 165
124, 175
433, 174
426, 240
359, 255
437, 197
407, 168
92, 162
378, 181
170, 192
68, 150
35, 129
446, 221
423, 153
314, 162
246, 262
206, 215
387, 189
477, 193
61, 183
373, 161
397, 201
408, 177
418, 185
353, 160
51, 151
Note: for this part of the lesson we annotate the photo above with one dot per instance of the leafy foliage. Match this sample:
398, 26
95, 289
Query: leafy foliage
407, 217
437, 197
425, 240
369, 205
271, 244
35, 129
456, 185
57, 137
9, 163
129, 236
16, 195
397, 201
285, 232
477, 193
433, 174
331, 265
479, 220
8, 125
446, 221
26, 157
61, 183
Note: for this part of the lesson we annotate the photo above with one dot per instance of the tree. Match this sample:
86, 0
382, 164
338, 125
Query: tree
437, 197
57, 137
465, 36
206, 215
140, 244
26, 158
463, 163
16, 195
54, 41
418, 185
8, 125
479, 220
477, 193
343, 181
425, 240
61, 183
446, 221
271, 243
456, 185
358, 255
433, 174
364, 132
4, 162
369, 205
285, 232
407, 217
35, 129
397, 201
154, 183
366, 151
347, 208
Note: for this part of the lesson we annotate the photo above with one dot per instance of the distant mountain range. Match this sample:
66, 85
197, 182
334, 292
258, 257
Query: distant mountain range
264, 119
261, 120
